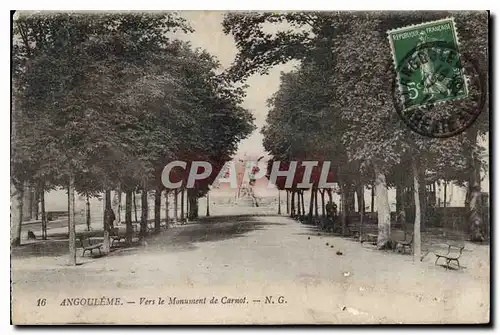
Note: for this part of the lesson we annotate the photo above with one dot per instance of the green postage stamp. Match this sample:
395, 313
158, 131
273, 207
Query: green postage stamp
427, 62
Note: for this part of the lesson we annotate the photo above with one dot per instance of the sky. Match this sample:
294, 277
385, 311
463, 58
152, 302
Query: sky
208, 35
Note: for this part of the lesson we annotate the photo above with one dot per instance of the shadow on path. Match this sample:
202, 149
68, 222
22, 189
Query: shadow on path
176, 239
47, 248
207, 229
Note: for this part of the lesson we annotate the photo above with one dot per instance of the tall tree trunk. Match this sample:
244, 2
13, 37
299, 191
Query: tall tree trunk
417, 246
115, 204
323, 211
373, 198
329, 192
422, 190
157, 210
302, 203
400, 205
166, 209
383, 209
193, 204
188, 205
32, 202
107, 219
287, 203
208, 203
292, 204
311, 207
182, 205
119, 213
176, 205
87, 216
316, 213
299, 205
128, 216
473, 200
17, 199
445, 191
279, 202
360, 196
29, 197
135, 207
474, 208
36, 197
350, 196
26, 202
343, 207
445, 219
360, 191
44, 214
71, 220
144, 211
195, 207
399, 196
16, 186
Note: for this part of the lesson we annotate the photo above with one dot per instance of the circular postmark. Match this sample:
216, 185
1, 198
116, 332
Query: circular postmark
437, 91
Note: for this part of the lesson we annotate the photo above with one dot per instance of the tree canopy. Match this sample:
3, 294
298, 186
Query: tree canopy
110, 99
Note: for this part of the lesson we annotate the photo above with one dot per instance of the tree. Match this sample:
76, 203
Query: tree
62, 81
111, 91
359, 99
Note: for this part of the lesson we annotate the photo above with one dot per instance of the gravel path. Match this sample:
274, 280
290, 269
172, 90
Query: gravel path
255, 256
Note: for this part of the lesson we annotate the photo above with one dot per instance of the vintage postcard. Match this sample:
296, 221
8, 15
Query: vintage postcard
250, 168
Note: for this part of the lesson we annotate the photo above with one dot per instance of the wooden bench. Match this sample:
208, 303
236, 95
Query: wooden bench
453, 254
353, 231
52, 215
326, 224
116, 236
372, 238
406, 243
89, 247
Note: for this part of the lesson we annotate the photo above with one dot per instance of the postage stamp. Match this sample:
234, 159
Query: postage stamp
428, 64
434, 81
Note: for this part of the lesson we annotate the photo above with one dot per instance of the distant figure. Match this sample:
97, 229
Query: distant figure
401, 218
331, 209
110, 218
31, 235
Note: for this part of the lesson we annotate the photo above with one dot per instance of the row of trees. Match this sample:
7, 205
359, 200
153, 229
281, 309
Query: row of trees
102, 102
338, 105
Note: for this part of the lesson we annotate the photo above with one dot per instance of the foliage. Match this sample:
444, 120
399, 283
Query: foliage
111, 98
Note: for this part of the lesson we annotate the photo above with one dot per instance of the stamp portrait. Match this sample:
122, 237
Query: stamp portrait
430, 72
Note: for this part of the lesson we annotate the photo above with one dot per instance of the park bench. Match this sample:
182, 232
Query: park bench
89, 247
52, 215
372, 238
327, 224
406, 243
116, 236
453, 254
353, 231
